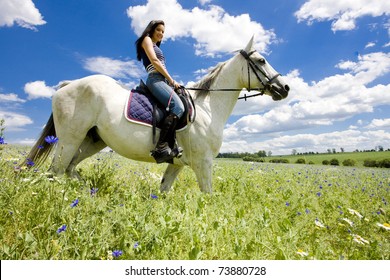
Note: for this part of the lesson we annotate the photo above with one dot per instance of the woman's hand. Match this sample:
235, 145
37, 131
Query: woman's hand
174, 84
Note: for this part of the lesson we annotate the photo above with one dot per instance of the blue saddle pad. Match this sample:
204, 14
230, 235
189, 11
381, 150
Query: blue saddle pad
139, 108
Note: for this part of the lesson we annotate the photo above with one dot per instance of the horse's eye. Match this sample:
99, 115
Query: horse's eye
261, 60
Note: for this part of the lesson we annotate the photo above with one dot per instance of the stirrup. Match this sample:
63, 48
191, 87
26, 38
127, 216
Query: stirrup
177, 152
162, 154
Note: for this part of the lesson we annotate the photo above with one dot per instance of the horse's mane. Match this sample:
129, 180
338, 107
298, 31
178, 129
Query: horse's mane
204, 84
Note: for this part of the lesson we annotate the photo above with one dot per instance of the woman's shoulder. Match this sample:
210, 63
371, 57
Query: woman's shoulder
147, 41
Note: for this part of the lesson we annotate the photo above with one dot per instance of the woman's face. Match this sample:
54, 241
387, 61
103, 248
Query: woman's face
158, 33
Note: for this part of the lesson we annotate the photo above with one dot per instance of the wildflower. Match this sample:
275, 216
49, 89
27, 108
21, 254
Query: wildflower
348, 221
74, 203
2, 141
117, 253
51, 139
153, 196
385, 226
319, 224
354, 212
40, 147
30, 162
136, 245
302, 253
94, 191
307, 211
61, 229
318, 194
359, 239
287, 204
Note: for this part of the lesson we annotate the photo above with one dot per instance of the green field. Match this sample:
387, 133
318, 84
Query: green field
359, 157
257, 211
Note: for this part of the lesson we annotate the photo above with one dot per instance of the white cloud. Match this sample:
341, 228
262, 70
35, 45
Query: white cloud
10, 97
370, 45
214, 30
342, 13
379, 123
332, 99
38, 89
349, 140
114, 68
14, 121
20, 12
204, 2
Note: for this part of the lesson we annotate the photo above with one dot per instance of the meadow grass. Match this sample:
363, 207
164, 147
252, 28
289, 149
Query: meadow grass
257, 211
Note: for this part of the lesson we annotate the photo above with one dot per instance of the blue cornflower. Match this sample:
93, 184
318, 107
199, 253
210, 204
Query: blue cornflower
2, 141
30, 162
74, 203
136, 245
318, 194
40, 147
51, 139
307, 211
94, 191
61, 229
287, 204
117, 253
153, 196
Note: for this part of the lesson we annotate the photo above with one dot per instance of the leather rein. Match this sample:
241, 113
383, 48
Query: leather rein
265, 81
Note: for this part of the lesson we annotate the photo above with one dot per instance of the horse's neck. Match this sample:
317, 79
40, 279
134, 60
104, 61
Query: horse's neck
220, 104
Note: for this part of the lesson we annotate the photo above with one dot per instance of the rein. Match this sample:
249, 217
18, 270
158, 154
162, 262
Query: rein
255, 68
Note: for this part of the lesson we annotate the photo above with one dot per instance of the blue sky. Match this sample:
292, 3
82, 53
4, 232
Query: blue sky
333, 53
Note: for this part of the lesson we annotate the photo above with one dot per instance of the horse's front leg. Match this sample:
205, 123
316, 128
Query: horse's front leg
169, 176
203, 170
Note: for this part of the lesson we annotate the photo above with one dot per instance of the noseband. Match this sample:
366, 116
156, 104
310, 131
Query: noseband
266, 81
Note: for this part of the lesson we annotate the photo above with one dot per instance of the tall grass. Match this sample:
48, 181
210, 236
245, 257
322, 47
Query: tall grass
257, 211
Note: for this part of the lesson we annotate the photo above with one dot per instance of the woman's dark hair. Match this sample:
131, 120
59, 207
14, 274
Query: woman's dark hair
149, 30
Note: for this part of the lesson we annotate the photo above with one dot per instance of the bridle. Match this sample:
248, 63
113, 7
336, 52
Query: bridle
265, 81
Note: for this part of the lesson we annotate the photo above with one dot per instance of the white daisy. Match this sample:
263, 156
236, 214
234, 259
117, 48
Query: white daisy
354, 212
385, 226
348, 221
302, 253
359, 239
319, 224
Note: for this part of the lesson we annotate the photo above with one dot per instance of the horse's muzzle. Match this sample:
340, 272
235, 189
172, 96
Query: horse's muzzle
279, 92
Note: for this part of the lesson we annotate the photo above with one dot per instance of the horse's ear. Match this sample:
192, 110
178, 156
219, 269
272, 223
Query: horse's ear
249, 46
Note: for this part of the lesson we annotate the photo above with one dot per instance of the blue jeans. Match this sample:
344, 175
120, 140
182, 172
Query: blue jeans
164, 93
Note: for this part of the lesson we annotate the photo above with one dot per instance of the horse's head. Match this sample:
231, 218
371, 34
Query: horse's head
262, 76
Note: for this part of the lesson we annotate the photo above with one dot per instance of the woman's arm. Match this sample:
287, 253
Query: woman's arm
147, 44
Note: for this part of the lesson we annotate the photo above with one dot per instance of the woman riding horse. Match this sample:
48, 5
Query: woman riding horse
161, 84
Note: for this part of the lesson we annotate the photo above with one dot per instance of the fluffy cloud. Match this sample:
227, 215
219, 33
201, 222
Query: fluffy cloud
14, 121
20, 12
349, 140
207, 26
10, 97
379, 123
322, 103
114, 68
38, 89
342, 13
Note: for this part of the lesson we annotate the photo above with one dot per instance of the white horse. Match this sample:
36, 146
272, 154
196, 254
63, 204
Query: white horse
87, 116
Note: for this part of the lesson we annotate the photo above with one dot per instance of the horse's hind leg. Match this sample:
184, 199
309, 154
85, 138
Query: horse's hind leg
88, 148
169, 176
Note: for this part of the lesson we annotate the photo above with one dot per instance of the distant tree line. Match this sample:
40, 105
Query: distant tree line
263, 154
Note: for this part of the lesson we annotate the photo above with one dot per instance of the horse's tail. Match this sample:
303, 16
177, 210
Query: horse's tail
41, 149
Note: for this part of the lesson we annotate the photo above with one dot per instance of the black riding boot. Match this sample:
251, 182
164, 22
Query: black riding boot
162, 152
